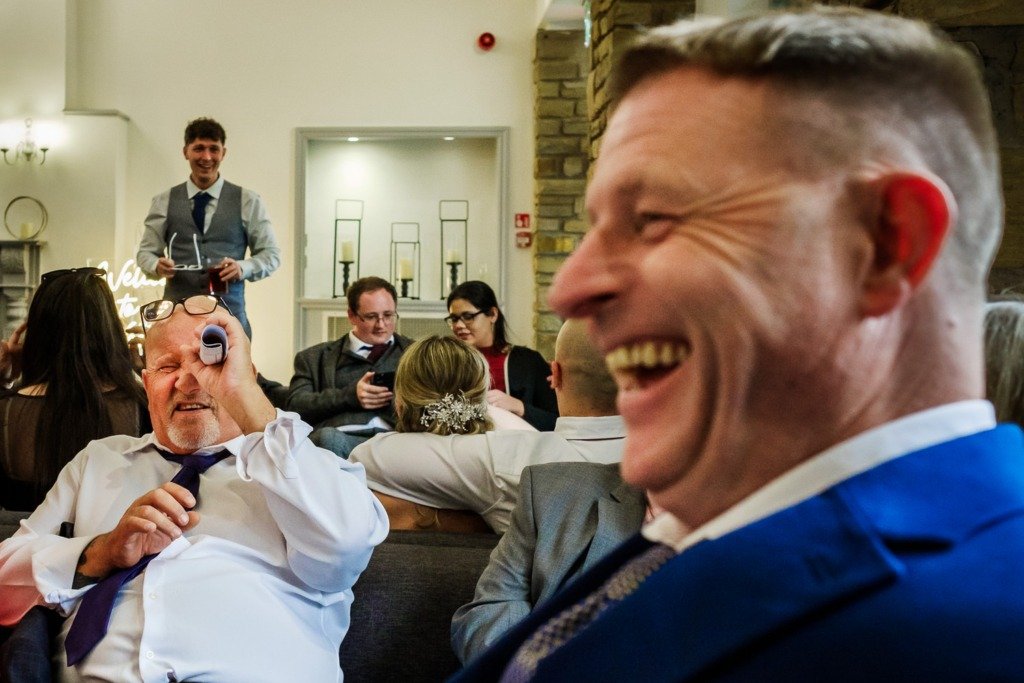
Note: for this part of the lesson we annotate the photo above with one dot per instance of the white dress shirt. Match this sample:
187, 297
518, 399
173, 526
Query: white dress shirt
355, 344
839, 463
480, 472
259, 590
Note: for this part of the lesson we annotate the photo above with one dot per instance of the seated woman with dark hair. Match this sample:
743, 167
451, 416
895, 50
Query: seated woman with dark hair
76, 384
440, 394
519, 375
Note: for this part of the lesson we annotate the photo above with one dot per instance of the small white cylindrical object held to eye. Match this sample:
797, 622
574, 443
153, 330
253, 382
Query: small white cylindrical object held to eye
213, 345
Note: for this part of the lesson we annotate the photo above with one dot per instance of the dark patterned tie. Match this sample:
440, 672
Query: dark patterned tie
199, 203
563, 626
376, 351
90, 624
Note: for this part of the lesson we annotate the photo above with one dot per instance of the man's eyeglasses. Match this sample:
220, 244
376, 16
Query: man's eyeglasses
199, 259
54, 274
388, 317
465, 318
198, 304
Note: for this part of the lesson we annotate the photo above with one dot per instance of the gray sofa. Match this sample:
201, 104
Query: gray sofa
401, 616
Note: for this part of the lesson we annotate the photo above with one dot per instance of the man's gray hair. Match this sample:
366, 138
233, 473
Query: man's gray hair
882, 84
1004, 359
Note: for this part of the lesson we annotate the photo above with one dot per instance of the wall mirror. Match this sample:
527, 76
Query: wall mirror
424, 208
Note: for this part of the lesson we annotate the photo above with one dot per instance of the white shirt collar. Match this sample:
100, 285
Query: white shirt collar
836, 464
357, 344
233, 446
212, 190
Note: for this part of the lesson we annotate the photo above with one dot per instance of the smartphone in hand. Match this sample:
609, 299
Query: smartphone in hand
384, 379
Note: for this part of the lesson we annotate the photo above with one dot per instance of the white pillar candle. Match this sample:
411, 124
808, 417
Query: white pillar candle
453, 256
347, 251
26, 230
404, 269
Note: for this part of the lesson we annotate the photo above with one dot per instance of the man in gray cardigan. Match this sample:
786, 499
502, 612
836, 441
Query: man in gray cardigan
332, 385
197, 232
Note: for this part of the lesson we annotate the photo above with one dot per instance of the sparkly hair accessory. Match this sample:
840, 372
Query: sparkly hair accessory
453, 412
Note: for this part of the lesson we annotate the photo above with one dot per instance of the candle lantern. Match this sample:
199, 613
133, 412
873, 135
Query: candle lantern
405, 259
454, 215
348, 228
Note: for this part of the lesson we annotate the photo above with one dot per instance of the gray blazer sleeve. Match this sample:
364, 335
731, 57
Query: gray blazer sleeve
503, 594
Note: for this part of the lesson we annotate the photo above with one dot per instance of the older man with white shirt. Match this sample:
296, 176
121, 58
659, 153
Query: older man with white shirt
247, 578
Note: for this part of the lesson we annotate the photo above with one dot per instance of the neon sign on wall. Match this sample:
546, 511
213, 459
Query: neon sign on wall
129, 287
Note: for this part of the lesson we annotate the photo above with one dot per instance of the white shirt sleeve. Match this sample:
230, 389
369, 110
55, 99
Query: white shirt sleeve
319, 501
152, 245
447, 472
264, 254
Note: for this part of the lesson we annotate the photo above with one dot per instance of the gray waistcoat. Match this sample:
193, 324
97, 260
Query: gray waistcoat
225, 237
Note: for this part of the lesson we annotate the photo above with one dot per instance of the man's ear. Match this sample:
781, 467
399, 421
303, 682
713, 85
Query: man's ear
915, 213
556, 375
145, 379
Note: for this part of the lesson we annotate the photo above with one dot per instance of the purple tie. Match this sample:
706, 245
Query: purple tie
90, 624
376, 351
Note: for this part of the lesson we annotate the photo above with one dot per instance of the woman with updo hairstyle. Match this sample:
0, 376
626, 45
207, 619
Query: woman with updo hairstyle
441, 389
76, 384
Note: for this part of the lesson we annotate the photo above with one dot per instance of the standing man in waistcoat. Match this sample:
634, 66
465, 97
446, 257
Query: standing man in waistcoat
199, 230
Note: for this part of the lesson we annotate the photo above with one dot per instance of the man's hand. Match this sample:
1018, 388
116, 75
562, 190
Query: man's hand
500, 399
149, 525
230, 270
233, 382
370, 396
165, 267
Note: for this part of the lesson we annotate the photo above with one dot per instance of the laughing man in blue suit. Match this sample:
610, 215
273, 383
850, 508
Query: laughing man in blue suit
792, 221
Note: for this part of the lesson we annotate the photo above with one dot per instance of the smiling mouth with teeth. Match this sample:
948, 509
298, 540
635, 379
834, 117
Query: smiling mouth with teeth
635, 364
187, 407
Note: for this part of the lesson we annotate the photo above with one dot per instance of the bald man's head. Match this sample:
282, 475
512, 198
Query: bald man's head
583, 373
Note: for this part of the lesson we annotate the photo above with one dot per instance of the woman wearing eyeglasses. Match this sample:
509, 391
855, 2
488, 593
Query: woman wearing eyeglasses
76, 385
519, 375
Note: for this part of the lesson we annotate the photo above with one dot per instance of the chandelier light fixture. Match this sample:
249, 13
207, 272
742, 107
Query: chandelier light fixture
27, 150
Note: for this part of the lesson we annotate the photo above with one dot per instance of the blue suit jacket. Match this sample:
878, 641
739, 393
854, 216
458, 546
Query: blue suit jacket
912, 571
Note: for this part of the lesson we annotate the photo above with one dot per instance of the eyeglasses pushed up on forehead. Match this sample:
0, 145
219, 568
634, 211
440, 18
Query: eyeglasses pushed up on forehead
464, 318
54, 274
387, 317
199, 304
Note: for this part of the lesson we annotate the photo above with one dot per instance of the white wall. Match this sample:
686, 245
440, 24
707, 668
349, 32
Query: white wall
263, 68
401, 181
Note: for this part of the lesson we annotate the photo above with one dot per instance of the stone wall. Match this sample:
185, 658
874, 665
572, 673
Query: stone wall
560, 165
569, 124
615, 24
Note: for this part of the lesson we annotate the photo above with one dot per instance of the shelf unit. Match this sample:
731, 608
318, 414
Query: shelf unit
19, 277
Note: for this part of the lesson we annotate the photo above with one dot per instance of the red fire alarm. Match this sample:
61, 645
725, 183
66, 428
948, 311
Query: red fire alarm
486, 41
